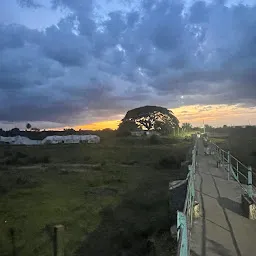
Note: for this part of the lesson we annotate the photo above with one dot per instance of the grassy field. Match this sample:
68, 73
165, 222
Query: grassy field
242, 145
111, 197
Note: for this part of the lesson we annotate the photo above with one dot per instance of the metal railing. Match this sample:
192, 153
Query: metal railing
185, 218
235, 169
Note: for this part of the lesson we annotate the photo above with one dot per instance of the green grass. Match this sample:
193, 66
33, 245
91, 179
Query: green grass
110, 197
242, 145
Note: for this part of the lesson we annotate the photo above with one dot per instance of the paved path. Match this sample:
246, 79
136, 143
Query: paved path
222, 229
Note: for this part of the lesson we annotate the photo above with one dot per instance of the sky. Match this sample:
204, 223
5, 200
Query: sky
84, 64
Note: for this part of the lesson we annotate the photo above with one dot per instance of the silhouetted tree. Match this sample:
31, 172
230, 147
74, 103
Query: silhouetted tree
28, 126
69, 131
126, 127
15, 132
150, 118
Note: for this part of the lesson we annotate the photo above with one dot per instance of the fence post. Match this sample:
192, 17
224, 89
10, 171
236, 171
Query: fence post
192, 199
12, 234
237, 171
178, 224
182, 230
249, 189
229, 165
58, 240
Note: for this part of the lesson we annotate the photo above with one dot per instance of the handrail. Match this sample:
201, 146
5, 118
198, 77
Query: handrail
237, 169
185, 218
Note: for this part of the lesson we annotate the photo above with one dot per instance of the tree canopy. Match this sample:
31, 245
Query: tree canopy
149, 118
28, 126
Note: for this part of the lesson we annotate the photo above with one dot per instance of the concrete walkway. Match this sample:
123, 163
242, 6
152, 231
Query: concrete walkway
222, 229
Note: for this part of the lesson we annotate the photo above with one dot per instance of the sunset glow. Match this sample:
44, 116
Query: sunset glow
214, 115
62, 70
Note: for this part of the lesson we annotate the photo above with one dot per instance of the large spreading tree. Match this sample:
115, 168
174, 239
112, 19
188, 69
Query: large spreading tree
149, 118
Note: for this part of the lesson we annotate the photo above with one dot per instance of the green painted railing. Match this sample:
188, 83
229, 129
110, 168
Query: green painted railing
185, 218
235, 169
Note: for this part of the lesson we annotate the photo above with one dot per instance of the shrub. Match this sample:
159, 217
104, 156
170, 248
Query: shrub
46, 159
8, 153
3, 189
12, 160
123, 133
253, 153
20, 155
26, 181
87, 158
131, 162
169, 162
154, 139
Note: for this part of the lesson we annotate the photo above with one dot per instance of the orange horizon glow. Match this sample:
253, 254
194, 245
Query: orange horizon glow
214, 115
111, 124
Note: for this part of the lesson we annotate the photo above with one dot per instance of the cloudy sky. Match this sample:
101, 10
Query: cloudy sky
77, 63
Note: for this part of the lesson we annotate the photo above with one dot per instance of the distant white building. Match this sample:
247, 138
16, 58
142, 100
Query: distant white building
71, 139
19, 140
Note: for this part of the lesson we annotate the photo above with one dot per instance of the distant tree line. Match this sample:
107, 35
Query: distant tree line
34, 134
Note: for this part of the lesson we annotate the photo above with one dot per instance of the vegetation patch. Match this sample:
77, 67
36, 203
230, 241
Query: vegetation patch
110, 197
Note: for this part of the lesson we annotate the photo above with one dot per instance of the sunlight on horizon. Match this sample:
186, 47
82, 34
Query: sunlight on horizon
214, 115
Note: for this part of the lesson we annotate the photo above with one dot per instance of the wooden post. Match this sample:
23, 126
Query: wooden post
58, 240
12, 234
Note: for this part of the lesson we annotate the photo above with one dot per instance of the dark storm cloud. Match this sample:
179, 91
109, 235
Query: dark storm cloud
87, 64
68, 50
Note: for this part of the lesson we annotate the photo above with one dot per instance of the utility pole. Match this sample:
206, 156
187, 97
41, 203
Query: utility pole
204, 126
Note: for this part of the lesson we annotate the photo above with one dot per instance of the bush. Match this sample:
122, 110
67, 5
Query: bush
169, 162
87, 158
46, 159
123, 133
3, 189
26, 181
20, 155
12, 160
20, 158
154, 139
8, 153
253, 153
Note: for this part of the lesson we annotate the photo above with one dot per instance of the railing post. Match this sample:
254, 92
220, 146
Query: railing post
178, 225
192, 201
249, 188
237, 171
229, 167
182, 230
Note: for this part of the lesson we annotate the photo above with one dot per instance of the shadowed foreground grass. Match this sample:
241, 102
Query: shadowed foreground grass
111, 197
242, 145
